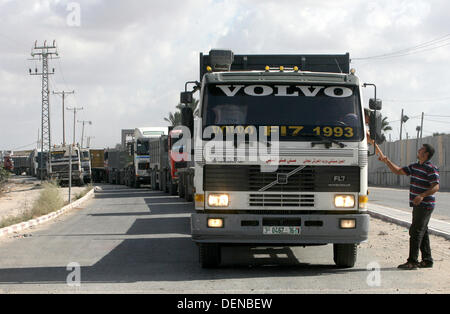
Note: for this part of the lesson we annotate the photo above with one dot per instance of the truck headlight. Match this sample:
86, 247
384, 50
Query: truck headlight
215, 223
347, 223
218, 200
344, 201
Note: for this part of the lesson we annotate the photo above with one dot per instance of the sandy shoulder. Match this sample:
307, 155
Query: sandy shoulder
390, 244
21, 192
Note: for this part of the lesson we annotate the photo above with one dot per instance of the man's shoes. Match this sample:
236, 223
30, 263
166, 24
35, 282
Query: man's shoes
408, 266
425, 264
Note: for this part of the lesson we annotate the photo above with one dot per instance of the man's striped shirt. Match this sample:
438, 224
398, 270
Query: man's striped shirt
422, 177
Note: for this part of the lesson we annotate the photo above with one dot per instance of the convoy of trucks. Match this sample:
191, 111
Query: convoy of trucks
275, 154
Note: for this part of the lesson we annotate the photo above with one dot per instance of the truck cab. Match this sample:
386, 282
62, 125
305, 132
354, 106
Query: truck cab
59, 167
281, 154
141, 154
86, 165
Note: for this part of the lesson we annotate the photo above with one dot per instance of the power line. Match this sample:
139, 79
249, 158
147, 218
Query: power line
433, 115
426, 46
446, 122
417, 100
25, 146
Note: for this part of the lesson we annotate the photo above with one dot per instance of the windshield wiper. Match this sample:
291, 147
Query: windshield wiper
325, 140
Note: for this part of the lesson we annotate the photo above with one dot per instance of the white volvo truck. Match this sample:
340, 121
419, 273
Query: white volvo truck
294, 168
139, 171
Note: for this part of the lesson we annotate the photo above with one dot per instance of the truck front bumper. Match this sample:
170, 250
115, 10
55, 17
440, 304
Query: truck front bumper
64, 176
249, 229
143, 179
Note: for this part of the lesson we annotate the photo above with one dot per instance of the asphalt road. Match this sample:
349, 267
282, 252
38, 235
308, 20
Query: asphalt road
399, 199
138, 241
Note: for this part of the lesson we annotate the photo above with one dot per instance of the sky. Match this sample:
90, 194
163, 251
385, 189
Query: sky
128, 60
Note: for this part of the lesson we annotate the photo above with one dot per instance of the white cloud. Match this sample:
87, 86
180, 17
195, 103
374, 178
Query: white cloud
129, 60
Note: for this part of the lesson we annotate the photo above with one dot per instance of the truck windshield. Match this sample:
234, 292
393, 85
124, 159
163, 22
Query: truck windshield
142, 147
85, 156
297, 112
59, 155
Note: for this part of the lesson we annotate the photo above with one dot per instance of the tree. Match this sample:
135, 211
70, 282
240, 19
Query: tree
175, 118
385, 125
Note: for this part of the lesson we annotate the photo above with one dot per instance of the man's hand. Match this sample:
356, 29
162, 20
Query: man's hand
417, 200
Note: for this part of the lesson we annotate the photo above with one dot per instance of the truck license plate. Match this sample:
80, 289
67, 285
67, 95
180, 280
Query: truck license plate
281, 230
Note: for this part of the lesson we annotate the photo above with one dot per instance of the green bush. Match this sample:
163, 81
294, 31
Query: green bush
49, 200
84, 192
4, 175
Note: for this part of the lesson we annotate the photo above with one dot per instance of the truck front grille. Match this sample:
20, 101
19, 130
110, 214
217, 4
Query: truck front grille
250, 178
281, 200
64, 168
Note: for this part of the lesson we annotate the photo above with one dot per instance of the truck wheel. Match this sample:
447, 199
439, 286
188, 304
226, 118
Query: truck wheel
162, 183
187, 194
173, 188
209, 255
153, 179
164, 187
345, 255
181, 190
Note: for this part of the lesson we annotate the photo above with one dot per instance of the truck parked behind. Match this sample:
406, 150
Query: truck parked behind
86, 165
21, 160
137, 171
98, 165
59, 167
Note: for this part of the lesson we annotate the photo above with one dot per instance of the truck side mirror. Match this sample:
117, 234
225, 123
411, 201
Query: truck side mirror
375, 123
186, 98
375, 104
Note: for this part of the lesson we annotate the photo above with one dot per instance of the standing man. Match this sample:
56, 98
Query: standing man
424, 184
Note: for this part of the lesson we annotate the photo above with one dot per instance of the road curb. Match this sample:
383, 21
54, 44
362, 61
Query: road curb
43, 219
407, 224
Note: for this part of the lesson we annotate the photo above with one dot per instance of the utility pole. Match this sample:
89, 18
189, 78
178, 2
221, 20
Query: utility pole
74, 120
63, 94
418, 129
403, 119
89, 141
421, 126
44, 53
71, 147
82, 132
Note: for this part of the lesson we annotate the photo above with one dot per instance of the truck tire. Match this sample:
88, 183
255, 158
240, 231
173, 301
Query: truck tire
187, 194
153, 179
173, 187
345, 255
181, 190
164, 186
162, 181
209, 254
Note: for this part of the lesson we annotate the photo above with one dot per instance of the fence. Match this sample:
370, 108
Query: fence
404, 153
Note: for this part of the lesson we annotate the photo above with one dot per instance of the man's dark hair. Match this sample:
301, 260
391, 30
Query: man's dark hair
429, 149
